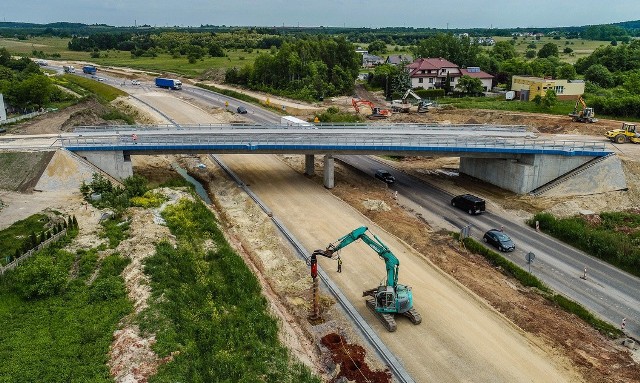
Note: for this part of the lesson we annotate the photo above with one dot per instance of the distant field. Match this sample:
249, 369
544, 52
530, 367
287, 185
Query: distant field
238, 58
162, 63
581, 48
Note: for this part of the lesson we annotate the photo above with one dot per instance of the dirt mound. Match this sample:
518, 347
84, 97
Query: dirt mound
350, 359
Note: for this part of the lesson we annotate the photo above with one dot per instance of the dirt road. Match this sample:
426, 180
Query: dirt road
461, 338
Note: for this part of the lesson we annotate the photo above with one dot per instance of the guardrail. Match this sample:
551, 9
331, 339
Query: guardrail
25, 116
357, 126
28, 254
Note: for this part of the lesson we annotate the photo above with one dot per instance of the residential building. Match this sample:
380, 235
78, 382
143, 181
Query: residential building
369, 60
528, 87
431, 73
475, 72
398, 59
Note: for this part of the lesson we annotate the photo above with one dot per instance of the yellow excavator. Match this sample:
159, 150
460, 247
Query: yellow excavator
627, 133
586, 114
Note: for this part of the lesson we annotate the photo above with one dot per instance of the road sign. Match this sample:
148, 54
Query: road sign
530, 257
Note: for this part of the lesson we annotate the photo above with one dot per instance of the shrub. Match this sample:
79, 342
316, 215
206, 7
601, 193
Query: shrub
40, 278
108, 288
430, 93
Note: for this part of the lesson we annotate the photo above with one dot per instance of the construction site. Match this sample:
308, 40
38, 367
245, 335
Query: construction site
474, 323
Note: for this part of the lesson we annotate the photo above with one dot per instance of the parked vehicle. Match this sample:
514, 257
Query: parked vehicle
385, 176
89, 69
168, 83
469, 203
241, 110
499, 240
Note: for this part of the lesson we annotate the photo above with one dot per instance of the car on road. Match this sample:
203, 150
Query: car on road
135, 82
241, 110
385, 176
499, 240
469, 203
101, 79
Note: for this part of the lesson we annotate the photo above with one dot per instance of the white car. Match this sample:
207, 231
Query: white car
135, 82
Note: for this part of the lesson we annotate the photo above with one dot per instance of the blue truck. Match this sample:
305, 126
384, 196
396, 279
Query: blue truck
89, 69
168, 83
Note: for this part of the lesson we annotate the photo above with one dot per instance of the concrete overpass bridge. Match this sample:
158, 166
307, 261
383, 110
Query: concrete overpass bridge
507, 156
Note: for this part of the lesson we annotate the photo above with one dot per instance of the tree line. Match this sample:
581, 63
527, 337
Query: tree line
309, 69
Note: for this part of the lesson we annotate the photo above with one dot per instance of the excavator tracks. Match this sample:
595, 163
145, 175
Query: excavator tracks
413, 315
387, 320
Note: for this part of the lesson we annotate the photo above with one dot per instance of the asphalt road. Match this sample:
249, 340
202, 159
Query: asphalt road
608, 292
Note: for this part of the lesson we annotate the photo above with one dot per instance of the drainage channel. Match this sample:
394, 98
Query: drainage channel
399, 372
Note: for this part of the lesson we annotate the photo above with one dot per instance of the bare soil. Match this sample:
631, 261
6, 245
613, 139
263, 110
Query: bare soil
285, 280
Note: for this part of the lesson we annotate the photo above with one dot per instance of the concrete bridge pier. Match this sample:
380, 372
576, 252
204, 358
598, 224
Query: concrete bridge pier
115, 163
308, 164
328, 171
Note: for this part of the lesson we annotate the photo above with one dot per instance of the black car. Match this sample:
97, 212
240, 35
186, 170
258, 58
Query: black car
469, 203
242, 110
499, 240
385, 176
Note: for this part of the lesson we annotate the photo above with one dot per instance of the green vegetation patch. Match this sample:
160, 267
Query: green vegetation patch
560, 107
614, 238
103, 91
208, 306
56, 328
528, 279
15, 236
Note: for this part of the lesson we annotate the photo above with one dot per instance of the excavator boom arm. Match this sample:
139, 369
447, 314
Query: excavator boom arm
375, 243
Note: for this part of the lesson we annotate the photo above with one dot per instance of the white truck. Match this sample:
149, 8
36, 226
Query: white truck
293, 121
69, 69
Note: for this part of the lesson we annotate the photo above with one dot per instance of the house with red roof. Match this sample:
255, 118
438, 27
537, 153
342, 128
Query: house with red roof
432, 73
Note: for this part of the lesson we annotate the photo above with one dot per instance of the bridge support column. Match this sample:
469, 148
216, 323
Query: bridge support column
328, 171
308, 165
115, 163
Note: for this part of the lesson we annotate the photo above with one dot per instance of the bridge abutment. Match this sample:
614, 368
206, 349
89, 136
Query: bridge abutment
115, 163
523, 173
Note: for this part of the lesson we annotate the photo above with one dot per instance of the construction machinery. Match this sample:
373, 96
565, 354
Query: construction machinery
376, 112
404, 106
627, 133
388, 298
586, 114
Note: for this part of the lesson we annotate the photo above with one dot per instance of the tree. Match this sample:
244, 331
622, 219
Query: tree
531, 53
599, 75
567, 71
547, 50
470, 85
503, 50
461, 51
550, 99
567, 50
377, 47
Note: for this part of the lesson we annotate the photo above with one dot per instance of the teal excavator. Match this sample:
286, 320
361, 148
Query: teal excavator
385, 300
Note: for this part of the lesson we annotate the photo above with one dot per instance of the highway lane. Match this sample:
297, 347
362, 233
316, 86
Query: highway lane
608, 292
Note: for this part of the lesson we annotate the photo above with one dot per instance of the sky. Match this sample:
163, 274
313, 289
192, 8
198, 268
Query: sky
355, 13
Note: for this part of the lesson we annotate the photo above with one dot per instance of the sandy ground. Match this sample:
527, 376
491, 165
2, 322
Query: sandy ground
490, 330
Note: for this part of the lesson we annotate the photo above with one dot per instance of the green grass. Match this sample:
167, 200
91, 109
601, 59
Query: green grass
561, 107
527, 279
103, 91
62, 334
207, 305
162, 63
